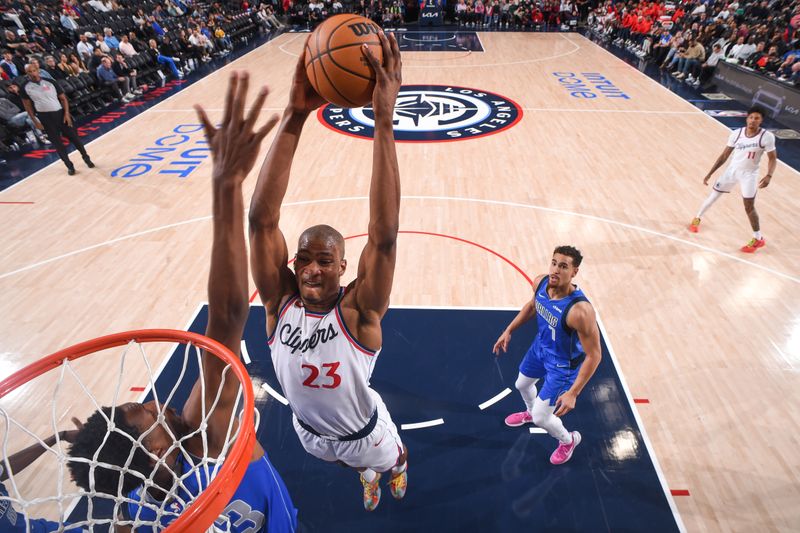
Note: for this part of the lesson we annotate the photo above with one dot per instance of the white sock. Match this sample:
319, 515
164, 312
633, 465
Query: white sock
399, 469
757, 235
713, 197
369, 475
544, 418
527, 389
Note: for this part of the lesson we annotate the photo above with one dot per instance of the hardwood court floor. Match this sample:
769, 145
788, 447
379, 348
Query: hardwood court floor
709, 335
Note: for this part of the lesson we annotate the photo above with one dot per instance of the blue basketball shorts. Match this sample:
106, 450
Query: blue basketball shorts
557, 374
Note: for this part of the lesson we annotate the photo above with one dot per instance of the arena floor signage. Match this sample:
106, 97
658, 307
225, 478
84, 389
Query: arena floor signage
431, 113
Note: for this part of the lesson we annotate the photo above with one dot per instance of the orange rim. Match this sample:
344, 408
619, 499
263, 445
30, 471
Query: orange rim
204, 510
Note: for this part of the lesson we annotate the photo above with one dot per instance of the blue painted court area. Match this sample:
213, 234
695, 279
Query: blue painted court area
440, 41
471, 473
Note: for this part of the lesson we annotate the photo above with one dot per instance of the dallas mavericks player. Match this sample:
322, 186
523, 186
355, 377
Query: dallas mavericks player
261, 502
565, 353
325, 339
747, 145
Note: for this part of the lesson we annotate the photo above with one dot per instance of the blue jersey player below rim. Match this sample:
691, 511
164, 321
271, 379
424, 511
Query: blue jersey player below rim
565, 353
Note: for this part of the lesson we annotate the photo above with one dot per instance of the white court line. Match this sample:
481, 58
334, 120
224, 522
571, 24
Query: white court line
426, 424
650, 450
595, 218
245, 354
494, 399
275, 394
538, 430
179, 91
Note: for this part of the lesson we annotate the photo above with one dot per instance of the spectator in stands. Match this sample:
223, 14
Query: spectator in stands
77, 63
165, 60
707, 69
95, 60
42, 72
111, 40
52, 68
68, 22
222, 41
119, 85
101, 44
65, 66
199, 40
786, 69
121, 69
193, 55
12, 112
9, 66
48, 108
126, 47
138, 44
769, 63
84, 47
693, 56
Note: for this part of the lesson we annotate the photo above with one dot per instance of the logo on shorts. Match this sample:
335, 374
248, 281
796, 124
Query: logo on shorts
431, 113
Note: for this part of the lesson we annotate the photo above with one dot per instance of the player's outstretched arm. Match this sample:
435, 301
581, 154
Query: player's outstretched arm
526, 313
726, 153
269, 254
22, 459
582, 319
234, 147
376, 266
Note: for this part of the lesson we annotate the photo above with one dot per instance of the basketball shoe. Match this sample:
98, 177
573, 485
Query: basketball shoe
564, 451
519, 419
372, 492
694, 227
398, 484
753, 245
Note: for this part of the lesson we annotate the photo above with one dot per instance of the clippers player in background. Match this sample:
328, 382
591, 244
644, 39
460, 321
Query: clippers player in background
747, 145
324, 338
565, 353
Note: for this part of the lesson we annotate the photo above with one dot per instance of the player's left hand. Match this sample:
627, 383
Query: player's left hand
68, 119
764, 182
565, 403
235, 144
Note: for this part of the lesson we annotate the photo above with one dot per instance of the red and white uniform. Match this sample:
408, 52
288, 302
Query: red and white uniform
743, 168
324, 373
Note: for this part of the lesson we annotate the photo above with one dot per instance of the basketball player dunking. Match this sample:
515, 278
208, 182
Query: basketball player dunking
565, 353
747, 144
325, 339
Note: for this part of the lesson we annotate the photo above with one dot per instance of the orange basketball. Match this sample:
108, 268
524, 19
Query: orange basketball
335, 62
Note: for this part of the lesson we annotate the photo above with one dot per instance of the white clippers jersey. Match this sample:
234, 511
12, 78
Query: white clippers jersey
323, 370
747, 151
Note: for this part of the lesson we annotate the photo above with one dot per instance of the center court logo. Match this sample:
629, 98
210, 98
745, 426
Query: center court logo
431, 113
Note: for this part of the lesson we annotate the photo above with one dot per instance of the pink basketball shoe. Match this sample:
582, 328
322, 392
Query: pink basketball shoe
564, 451
519, 419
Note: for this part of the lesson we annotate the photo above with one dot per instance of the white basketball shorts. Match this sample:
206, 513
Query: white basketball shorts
747, 180
379, 450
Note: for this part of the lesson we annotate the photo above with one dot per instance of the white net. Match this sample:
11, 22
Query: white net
156, 502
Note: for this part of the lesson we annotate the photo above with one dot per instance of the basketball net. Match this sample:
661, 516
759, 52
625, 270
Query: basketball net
198, 493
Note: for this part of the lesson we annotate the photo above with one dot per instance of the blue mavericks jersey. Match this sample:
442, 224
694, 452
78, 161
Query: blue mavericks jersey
555, 338
260, 504
13, 522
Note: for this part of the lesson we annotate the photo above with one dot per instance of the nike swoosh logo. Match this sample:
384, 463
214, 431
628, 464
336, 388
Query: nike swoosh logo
379, 442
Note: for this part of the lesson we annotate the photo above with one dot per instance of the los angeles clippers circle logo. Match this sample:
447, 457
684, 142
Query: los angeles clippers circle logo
431, 113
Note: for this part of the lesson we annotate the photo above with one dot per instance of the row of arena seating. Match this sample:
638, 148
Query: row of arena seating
86, 95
